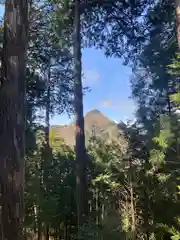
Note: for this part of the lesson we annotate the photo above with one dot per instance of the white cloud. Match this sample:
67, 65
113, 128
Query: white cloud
122, 104
106, 103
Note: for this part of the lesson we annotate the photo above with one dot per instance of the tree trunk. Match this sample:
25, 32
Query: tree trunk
12, 117
47, 232
47, 120
133, 227
82, 205
39, 237
48, 152
177, 5
132, 207
97, 206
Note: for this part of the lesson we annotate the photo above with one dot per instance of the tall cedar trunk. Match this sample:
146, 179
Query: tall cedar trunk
12, 117
47, 233
97, 206
177, 5
48, 153
47, 128
82, 205
146, 209
39, 237
43, 232
133, 219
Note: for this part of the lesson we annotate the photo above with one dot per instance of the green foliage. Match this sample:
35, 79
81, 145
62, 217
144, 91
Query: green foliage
52, 185
176, 98
133, 184
174, 69
156, 157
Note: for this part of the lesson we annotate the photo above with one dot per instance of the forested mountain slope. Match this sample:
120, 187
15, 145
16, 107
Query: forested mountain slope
96, 124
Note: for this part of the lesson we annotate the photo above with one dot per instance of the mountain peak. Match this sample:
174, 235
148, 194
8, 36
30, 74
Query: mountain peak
94, 112
94, 119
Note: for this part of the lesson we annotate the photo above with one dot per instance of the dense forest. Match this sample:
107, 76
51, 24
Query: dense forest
126, 187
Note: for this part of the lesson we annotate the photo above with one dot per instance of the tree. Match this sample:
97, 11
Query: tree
52, 62
151, 77
79, 119
50, 184
12, 117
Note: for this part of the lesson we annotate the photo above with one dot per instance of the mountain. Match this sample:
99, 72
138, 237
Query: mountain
95, 124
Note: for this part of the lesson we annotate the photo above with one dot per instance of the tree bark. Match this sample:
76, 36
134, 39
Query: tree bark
133, 218
39, 233
177, 6
82, 205
48, 100
48, 153
12, 117
47, 233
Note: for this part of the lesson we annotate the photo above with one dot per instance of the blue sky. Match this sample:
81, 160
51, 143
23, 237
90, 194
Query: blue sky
108, 80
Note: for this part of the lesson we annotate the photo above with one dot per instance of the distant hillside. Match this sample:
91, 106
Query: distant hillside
95, 124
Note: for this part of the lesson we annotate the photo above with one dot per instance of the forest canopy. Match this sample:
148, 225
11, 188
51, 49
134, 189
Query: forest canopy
119, 181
